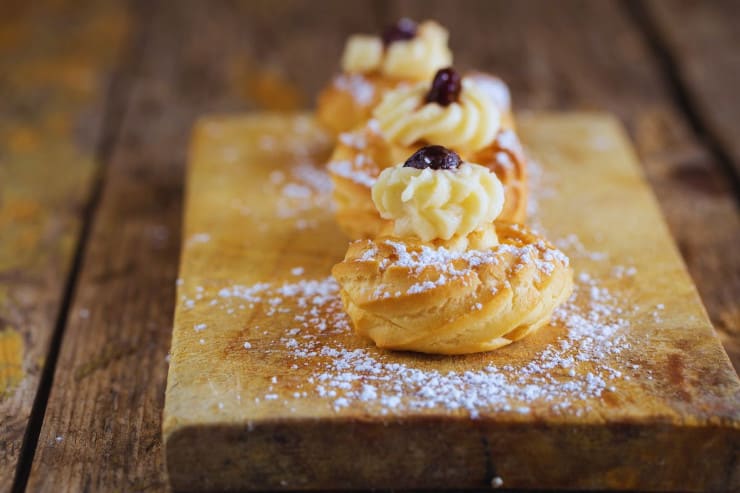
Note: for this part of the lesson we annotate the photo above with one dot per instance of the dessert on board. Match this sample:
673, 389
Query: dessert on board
406, 52
457, 112
429, 176
445, 278
396, 296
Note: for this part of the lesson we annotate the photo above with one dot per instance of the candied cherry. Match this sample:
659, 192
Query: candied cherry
435, 157
402, 30
446, 87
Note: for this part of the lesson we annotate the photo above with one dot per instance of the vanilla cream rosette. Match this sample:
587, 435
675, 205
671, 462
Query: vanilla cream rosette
437, 204
371, 65
466, 119
461, 113
447, 279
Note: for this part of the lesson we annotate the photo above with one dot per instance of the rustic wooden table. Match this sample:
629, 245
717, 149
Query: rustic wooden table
97, 99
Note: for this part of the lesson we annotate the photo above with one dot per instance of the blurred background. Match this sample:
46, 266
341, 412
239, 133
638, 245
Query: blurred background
97, 99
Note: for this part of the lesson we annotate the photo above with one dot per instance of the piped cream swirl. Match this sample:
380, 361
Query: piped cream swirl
362, 53
414, 59
438, 204
467, 125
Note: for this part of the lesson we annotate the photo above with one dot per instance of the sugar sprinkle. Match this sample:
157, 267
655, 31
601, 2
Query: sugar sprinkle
566, 376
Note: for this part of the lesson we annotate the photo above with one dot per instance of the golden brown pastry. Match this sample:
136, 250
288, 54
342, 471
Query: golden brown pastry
405, 295
373, 65
447, 280
462, 114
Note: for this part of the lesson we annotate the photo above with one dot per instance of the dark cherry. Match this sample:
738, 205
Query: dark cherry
401, 30
435, 157
446, 87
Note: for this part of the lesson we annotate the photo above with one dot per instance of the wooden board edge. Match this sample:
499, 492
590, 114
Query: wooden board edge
270, 456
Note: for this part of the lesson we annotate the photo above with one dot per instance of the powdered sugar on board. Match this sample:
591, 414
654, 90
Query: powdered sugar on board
301, 320
565, 375
299, 190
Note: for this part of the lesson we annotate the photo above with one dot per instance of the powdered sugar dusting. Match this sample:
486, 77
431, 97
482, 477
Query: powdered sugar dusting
356, 84
542, 188
561, 376
564, 376
303, 188
452, 265
353, 140
295, 326
346, 169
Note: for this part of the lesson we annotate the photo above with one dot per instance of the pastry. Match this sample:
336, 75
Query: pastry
461, 113
446, 279
373, 65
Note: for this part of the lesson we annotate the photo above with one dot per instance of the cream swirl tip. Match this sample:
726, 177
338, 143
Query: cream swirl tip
438, 203
362, 54
417, 58
420, 57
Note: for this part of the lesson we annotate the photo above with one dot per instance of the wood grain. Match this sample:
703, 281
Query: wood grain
587, 55
245, 228
108, 392
592, 56
701, 38
54, 68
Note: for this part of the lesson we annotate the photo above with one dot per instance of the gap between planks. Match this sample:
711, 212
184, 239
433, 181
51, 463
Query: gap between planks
116, 99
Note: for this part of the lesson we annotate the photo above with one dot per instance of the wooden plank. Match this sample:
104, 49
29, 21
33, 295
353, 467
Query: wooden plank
701, 38
256, 267
102, 429
592, 56
222, 57
55, 62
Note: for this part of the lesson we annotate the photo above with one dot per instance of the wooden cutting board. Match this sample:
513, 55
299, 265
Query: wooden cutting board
628, 388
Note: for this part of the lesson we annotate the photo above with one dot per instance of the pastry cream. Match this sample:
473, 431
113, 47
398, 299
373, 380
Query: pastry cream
468, 125
362, 54
438, 204
419, 58
414, 59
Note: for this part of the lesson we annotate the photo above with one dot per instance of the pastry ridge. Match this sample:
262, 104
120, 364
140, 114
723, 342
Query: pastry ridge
452, 303
348, 100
